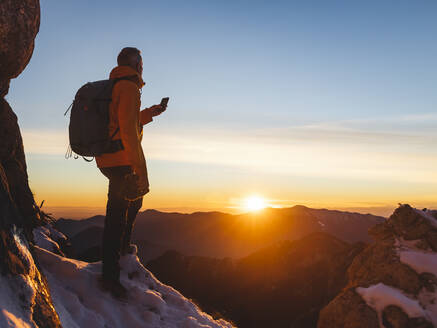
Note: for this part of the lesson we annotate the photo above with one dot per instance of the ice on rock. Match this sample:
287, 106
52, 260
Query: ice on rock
12, 313
380, 296
8, 319
46, 237
429, 215
420, 261
191, 322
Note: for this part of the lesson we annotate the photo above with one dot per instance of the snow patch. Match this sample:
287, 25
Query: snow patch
380, 296
13, 313
55, 234
420, 261
46, 237
429, 301
8, 319
402, 244
23, 248
80, 302
17, 293
42, 239
427, 215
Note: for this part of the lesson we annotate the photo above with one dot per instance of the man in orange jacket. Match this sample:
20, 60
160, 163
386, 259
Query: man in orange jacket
126, 124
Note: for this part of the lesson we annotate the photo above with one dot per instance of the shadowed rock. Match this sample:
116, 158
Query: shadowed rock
19, 24
380, 265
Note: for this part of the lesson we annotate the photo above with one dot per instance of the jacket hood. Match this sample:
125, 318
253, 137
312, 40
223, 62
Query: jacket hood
122, 71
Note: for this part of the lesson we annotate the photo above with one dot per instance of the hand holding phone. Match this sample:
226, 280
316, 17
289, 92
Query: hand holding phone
159, 109
164, 102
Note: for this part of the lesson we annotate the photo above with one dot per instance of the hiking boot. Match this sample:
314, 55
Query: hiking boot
131, 249
115, 288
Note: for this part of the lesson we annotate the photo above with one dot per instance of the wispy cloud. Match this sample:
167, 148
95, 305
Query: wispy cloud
345, 149
45, 142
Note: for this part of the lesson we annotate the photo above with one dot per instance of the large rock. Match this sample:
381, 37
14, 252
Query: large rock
380, 263
19, 24
24, 292
386, 288
348, 310
13, 160
19, 270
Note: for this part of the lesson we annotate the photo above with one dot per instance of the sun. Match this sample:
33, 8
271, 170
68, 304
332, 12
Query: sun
255, 203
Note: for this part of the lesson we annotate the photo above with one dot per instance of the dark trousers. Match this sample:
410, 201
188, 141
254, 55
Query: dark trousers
119, 221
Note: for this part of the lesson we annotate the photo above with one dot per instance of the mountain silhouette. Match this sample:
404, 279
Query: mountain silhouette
219, 235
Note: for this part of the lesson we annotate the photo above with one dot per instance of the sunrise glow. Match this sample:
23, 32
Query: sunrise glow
255, 203
364, 152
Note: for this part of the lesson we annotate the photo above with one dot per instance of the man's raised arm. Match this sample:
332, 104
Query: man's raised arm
147, 114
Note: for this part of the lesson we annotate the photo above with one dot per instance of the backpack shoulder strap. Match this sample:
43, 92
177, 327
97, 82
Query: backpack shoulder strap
132, 78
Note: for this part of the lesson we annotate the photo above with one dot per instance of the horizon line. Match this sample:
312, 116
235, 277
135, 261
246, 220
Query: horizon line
189, 210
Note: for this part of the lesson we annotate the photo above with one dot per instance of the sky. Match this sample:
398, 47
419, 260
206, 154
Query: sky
322, 103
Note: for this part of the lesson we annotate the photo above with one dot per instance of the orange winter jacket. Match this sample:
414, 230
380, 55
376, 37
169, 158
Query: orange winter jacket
125, 115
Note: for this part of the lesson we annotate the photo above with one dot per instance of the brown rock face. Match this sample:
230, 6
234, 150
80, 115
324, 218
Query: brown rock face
394, 317
14, 263
19, 24
348, 310
408, 224
380, 263
13, 161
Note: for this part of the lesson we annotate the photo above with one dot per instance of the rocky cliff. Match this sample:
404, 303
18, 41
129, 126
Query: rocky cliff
25, 296
393, 282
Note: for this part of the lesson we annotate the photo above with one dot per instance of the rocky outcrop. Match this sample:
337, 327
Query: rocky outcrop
19, 270
14, 168
393, 282
19, 24
23, 288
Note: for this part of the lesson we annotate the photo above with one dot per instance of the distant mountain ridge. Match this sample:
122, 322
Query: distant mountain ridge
71, 227
219, 235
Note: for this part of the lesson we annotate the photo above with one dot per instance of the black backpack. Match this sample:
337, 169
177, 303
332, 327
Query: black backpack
89, 119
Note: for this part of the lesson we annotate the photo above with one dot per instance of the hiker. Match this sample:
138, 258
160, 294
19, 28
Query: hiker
125, 124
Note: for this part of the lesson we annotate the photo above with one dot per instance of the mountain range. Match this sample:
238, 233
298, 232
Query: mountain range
220, 235
272, 268
284, 285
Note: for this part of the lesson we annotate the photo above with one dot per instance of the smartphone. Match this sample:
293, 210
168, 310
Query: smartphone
164, 102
